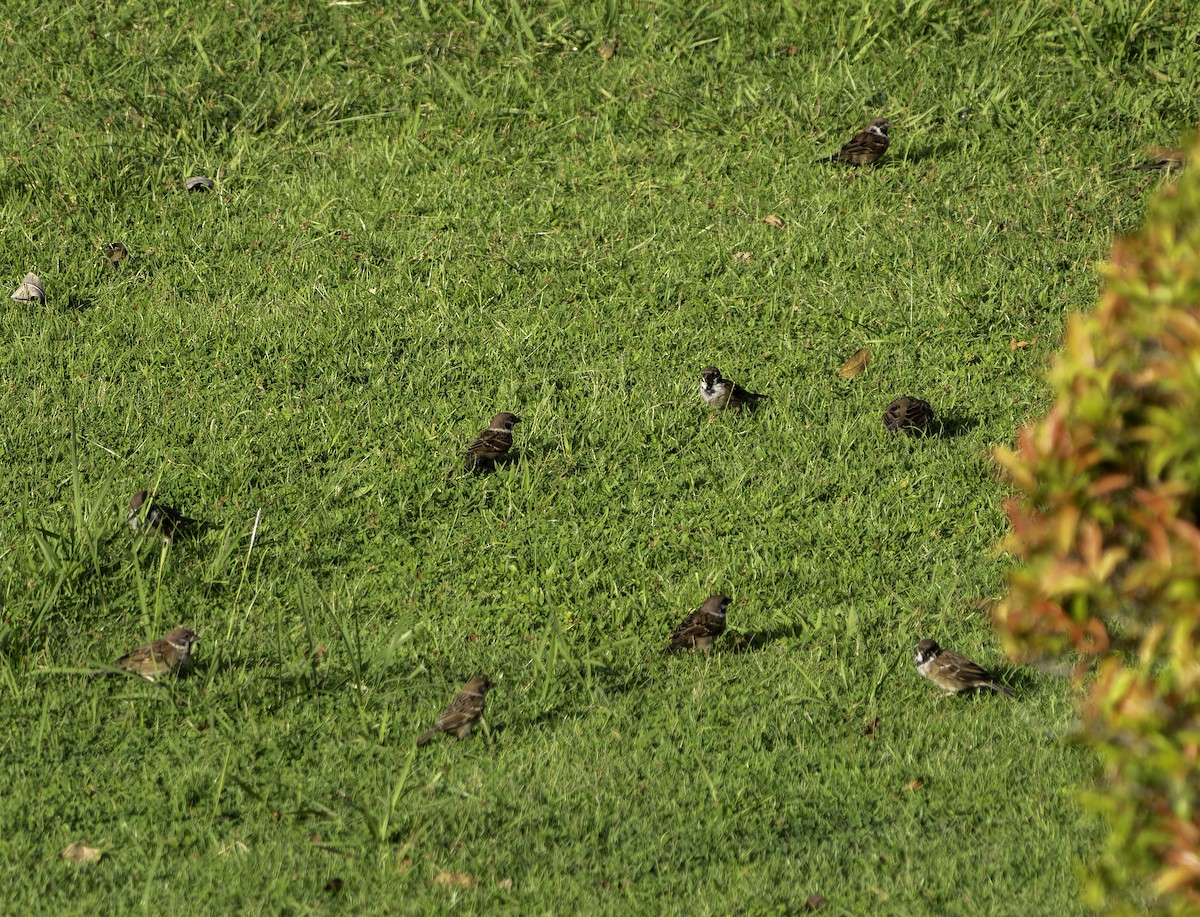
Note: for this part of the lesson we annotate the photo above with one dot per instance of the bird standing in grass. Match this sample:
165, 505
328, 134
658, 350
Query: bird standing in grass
492, 443
114, 254
953, 672
463, 713
908, 413
169, 654
719, 392
153, 518
699, 629
1168, 159
865, 147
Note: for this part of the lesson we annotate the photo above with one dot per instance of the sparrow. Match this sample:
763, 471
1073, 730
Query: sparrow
1161, 157
492, 442
699, 629
953, 672
463, 713
155, 519
114, 254
719, 392
30, 290
865, 147
167, 654
908, 413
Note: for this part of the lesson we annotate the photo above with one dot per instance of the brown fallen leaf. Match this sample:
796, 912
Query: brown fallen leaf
869, 729
30, 289
608, 49
743, 257
856, 364
773, 220
453, 880
505, 884
915, 784
815, 902
81, 855
1020, 345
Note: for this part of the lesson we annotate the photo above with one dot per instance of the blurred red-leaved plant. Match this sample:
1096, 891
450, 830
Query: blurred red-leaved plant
1104, 525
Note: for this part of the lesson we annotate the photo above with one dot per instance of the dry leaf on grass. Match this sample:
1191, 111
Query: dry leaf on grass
869, 729
743, 257
81, 855
453, 880
609, 49
815, 902
915, 784
30, 290
856, 364
1020, 345
773, 220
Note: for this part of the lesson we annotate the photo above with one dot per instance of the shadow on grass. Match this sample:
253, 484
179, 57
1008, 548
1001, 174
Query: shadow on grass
929, 151
748, 642
1014, 677
954, 425
79, 303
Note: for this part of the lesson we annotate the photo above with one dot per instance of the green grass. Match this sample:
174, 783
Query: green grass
429, 214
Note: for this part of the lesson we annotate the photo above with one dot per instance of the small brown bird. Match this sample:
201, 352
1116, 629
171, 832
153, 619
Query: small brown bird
953, 672
153, 518
865, 147
492, 443
171, 653
908, 413
463, 713
699, 629
114, 254
1169, 159
719, 392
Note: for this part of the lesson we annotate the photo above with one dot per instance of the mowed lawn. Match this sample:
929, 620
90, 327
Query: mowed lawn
428, 213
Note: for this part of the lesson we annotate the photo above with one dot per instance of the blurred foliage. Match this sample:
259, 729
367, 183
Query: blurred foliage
1105, 526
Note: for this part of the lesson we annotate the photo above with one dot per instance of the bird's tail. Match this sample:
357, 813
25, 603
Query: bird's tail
1000, 689
427, 736
477, 465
